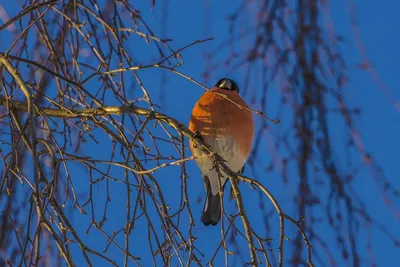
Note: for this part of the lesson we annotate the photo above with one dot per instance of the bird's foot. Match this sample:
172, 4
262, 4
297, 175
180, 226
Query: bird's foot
197, 137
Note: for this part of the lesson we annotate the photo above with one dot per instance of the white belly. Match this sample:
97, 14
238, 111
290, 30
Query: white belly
225, 147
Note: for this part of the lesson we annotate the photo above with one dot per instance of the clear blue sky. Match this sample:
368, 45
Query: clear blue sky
378, 124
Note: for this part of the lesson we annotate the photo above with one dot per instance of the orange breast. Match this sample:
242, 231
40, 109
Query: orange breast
214, 116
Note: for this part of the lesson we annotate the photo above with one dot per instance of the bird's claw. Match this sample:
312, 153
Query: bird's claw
197, 135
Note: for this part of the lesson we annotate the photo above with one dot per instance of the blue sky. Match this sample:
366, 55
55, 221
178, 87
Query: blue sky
374, 38
375, 91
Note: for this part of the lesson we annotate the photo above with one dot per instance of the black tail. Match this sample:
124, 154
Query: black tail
212, 208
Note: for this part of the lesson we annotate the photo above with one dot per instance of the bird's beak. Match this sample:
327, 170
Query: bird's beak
226, 84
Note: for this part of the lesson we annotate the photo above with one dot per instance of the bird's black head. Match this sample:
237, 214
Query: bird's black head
227, 84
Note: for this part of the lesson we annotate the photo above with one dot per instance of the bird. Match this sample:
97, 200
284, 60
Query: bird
224, 122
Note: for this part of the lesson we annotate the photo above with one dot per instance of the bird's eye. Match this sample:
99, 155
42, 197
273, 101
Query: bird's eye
235, 86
